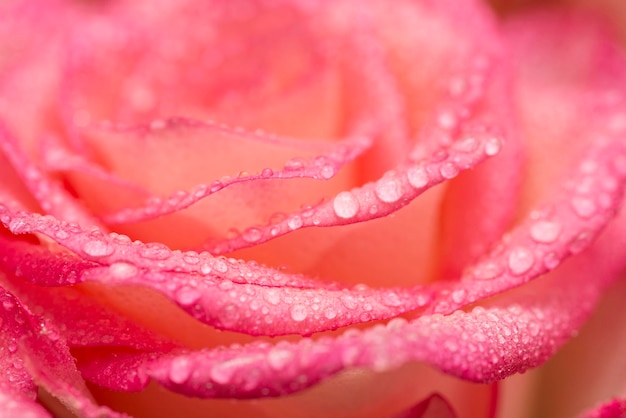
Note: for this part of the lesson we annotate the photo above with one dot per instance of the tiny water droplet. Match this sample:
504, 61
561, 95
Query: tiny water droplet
545, 231
222, 373
299, 313
327, 172
521, 259
388, 189
267, 172
346, 205
487, 271
229, 315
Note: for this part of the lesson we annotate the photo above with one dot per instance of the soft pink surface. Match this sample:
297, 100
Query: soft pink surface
461, 204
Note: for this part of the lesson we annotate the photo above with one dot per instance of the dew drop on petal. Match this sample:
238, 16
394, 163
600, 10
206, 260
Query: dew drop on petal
458, 296
545, 231
229, 315
493, 146
279, 358
294, 222
327, 172
299, 313
122, 270
521, 259
417, 176
584, 207
155, 251
180, 370
346, 205
388, 189
449, 170
487, 271
222, 373
252, 235
187, 296
98, 248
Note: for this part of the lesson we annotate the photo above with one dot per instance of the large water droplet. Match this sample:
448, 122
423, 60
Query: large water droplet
294, 222
388, 189
299, 313
487, 271
545, 231
98, 248
279, 358
252, 235
417, 176
187, 296
222, 373
493, 146
521, 259
449, 170
122, 270
346, 205
155, 251
584, 207
180, 370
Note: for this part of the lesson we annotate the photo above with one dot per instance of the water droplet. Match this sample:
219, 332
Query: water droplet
299, 313
222, 373
98, 248
216, 186
493, 146
122, 270
487, 271
388, 189
580, 242
155, 251
458, 296
449, 170
349, 301
272, 296
187, 296
191, 257
327, 172
180, 370
521, 259
267, 172
417, 176
545, 231
294, 222
205, 269
229, 315
346, 205
466, 145
252, 235
279, 358
584, 207
220, 265
330, 313
61, 234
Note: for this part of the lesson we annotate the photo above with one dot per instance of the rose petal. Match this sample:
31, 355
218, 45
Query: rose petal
612, 409
40, 355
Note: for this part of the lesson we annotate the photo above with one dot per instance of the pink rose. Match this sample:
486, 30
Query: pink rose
381, 209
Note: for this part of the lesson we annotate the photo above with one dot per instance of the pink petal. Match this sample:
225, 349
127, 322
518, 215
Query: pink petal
612, 409
38, 354
434, 406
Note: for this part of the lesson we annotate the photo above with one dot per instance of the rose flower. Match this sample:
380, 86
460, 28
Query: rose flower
300, 208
